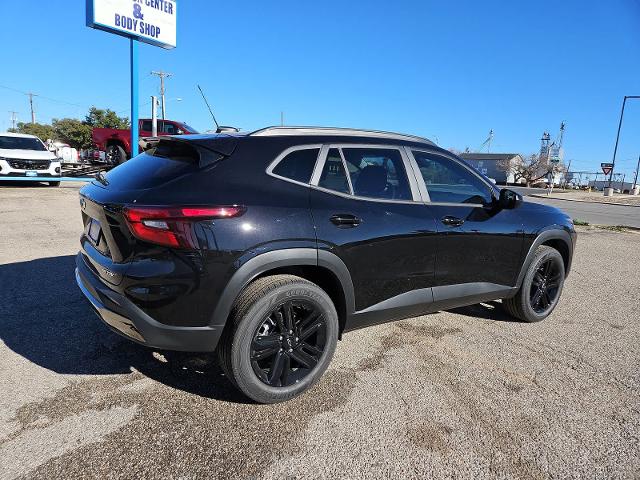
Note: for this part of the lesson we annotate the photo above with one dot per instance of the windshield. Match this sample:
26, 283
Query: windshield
189, 128
21, 143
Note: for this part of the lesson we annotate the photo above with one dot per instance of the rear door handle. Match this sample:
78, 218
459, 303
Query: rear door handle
452, 221
345, 220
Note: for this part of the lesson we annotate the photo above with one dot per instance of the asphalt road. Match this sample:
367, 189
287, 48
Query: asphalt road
468, 393
594, 213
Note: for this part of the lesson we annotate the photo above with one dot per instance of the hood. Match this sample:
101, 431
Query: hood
548, 212
27, 154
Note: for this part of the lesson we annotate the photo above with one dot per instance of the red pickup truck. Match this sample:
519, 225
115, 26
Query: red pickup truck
116, 143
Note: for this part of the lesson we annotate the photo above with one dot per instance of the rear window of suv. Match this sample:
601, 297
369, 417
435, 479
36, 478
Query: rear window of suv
298, 165
165, 162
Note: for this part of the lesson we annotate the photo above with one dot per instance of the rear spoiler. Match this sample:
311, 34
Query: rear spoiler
210, 148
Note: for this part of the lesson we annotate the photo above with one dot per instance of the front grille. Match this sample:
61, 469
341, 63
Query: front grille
29, 164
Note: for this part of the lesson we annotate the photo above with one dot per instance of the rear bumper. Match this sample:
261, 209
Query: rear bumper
125, 318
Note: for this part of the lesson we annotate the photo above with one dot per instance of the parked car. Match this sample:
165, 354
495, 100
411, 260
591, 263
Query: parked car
269, 246
116, 143
24, 155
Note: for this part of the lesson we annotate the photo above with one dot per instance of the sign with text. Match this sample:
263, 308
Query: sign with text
149, 21
606, 168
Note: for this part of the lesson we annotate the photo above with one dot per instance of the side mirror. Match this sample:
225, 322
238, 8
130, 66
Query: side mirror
179, 132
509, 199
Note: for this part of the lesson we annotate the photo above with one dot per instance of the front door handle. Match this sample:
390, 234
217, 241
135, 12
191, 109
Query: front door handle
345, 220
452, 221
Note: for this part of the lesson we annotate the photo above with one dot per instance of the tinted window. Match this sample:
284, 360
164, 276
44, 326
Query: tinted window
333, 175
188, 128
169, 128
298, 165
167, 161
146, 126
449, 181
21, 143
377, 173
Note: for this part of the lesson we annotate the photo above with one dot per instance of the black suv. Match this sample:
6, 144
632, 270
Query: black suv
268, 246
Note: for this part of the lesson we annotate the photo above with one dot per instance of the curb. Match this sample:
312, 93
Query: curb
581, 201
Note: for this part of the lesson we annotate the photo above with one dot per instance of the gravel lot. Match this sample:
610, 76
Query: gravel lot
466, 393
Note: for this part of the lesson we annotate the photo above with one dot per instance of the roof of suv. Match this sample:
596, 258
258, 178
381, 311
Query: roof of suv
19, 135
334, 131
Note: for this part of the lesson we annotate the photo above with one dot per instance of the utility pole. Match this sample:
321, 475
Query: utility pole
282, 119
615, 149
33, 114
162, 75
566, 176
635, 182
154, 116
14, 119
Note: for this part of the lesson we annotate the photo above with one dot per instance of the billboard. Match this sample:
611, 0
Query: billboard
149, 21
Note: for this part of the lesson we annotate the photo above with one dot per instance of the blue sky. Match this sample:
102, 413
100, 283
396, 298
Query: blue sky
448, 70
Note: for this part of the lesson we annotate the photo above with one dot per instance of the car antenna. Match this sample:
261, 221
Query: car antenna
210, 111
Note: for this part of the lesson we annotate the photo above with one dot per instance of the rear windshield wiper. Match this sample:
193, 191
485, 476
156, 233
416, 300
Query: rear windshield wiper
102, 179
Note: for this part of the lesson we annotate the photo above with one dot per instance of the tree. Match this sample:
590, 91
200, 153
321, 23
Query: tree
72, 131
99, 118
530, 169
42, 131
77, 133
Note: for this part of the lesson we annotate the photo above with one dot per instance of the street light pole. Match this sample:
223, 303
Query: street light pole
615, 150
635, 182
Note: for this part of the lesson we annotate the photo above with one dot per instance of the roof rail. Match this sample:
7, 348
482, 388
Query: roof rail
329, 131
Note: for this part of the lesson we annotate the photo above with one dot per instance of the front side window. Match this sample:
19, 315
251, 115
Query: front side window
449, 182
333, 176
145, 126
298, 165
377, 173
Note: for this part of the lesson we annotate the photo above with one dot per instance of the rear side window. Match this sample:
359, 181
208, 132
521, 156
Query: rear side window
298, 165
377, 173
333, 176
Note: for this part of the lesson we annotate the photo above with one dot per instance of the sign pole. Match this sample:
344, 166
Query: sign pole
134, 96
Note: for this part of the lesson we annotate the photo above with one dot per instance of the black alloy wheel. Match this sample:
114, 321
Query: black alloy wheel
289, 343
545, 286
541, 287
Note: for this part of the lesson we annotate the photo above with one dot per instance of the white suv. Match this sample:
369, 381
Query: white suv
26, 156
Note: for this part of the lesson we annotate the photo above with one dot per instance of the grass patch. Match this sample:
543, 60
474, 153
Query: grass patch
580, 222
612, 228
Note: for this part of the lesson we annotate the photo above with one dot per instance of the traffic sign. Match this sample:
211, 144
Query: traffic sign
606, 168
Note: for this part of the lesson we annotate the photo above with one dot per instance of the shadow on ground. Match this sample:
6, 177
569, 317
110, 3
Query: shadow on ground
45, 318
488, 311
23, 184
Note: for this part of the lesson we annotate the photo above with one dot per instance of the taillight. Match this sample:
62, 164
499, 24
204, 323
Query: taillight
173, 226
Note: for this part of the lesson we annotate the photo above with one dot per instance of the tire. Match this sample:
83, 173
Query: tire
115, 155
255, 317
529, 304
54, 184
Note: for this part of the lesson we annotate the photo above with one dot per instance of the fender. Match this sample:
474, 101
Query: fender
289, 257
553, 232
